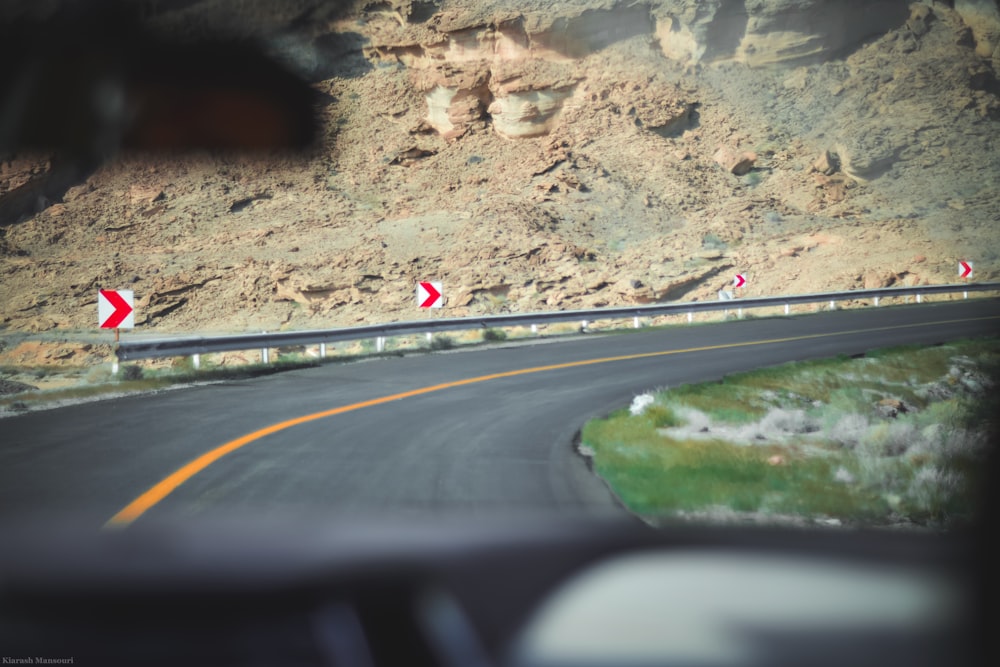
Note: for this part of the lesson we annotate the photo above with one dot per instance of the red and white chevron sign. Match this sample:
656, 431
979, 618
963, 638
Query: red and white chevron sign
964, 269
115, 309
429, 295
739, 280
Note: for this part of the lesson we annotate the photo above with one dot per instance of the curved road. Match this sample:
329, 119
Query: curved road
471, 431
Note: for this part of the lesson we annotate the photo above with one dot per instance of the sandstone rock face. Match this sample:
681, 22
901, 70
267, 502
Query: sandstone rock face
452, 108
504, 68
983, 17
305, 289
513, 72
534, 155
528, 96
780, 32
528, 113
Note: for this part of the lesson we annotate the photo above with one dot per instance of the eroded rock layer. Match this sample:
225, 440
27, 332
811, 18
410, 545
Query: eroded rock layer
535, 155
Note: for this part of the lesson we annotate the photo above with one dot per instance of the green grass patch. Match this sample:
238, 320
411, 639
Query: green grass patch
662, 416
854, 463
654, 475
724, 401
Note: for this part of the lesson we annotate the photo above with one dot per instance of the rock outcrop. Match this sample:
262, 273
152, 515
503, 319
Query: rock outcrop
539, 155
514, 71
780, 32
983, 18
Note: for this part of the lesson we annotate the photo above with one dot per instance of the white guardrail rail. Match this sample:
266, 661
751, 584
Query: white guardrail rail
190, 346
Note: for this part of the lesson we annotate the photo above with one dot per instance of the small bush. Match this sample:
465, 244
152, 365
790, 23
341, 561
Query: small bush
661, 416
931, 490
946, 441
132, 372
890, 439
848, 430
778, 420
442, 342
494, 335
849, 400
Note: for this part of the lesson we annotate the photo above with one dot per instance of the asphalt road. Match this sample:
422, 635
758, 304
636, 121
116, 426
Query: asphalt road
499, 443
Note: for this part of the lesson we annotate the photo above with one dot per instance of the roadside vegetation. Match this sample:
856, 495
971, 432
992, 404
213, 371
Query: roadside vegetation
895, 437
70, 384
98, 383
87, 383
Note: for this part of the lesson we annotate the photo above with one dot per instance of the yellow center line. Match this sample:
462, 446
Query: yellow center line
167, 485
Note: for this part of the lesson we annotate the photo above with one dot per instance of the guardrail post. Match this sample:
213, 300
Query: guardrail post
786, 309
534, 329
635, 322
965, 295
833, 305
690, 317
322, 350
876, 302
196, 361
920, 298
739, 313
380, 343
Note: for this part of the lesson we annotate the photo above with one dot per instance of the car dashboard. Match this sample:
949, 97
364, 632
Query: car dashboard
518, 592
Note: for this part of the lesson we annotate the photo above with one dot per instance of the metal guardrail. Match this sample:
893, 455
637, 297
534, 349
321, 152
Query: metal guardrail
187, 346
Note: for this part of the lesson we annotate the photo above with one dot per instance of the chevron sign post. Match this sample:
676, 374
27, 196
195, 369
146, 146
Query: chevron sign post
115, 309
429, 295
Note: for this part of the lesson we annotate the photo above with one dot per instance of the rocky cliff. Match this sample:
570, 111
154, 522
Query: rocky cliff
536, 154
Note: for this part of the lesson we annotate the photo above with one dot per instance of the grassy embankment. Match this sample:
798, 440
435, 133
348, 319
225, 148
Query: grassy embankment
896, 436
